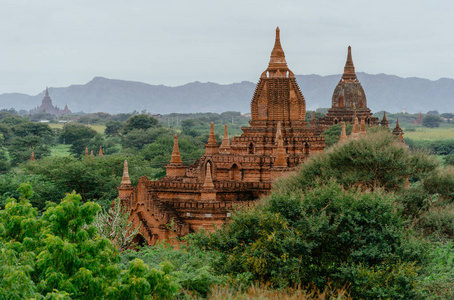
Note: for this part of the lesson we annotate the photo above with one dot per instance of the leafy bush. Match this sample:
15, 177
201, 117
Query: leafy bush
376, 161
191, 267
308, 238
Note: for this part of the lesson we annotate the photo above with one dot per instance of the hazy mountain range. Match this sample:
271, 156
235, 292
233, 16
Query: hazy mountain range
384, 92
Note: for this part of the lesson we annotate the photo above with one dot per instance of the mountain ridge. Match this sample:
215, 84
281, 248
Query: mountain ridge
384, 92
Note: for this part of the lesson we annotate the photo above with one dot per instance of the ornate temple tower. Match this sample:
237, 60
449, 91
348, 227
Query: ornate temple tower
348, 98
232, 173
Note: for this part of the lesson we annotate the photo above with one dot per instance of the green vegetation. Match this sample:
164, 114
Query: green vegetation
344, 226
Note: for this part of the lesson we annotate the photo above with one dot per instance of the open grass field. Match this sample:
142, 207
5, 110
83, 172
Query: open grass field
59, 150
430, 134
98, 128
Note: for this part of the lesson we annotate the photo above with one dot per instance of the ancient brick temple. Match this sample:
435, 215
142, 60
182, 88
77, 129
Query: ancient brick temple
47, 106
348, 98
233, 172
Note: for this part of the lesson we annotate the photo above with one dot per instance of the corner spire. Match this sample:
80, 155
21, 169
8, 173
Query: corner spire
225, 146
208, 183
349, 69
362, 130
384, 122
355, 131
280, 150
211, 147
125, 181
212, 136
176, 158
343, 136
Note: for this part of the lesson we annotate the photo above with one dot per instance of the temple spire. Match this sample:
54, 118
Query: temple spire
212, 136
349, 69
384, 122
278, 65
32, 158
343, 136
86, 151
100, 152
355, 131
225, 146
47, 91
211, 147
280, 150
125, 181
362, 130
176, 158
208, 183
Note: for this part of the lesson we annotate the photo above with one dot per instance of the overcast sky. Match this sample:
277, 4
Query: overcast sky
58, 43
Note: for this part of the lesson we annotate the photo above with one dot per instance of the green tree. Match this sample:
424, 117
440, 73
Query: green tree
141, 121
324, 233
73, 133
21, 148
377, 161
113, 128
431, 121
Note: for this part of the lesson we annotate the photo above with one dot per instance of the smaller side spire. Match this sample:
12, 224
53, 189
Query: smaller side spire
211, 147
91, 153
32, 158
176, 158
355, 131
212, 136
362, 131
384, 122
100, 151
280, 150
208, 183
86, 151
225, 146
398, 131
125, 180
343, 137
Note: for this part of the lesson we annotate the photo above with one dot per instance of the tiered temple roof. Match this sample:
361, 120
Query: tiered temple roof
235, 172
348, 99
47, 106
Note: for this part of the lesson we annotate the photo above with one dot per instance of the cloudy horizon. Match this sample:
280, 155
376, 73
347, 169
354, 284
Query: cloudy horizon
57, 44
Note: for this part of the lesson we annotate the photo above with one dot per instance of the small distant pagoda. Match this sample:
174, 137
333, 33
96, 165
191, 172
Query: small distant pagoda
419, 120
348, 99
48, 107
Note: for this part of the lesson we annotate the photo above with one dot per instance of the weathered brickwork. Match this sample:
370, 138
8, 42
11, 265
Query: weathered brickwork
236, 172
348, 98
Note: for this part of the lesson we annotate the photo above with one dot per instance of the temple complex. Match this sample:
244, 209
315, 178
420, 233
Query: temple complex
233, 172
348, 99
48, 107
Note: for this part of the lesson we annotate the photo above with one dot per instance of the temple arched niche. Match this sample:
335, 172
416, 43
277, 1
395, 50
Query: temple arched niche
306, 148
251, 148
235, 173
